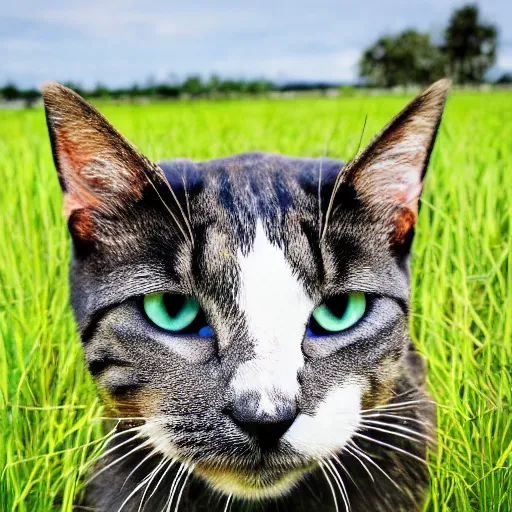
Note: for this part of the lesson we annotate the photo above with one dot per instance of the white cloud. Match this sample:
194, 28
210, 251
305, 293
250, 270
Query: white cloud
504, 61
121, 41
335, 66
116, 19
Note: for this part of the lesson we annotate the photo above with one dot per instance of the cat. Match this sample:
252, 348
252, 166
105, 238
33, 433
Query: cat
246, 319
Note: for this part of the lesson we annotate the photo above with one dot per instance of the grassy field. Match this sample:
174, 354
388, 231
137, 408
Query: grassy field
50, 418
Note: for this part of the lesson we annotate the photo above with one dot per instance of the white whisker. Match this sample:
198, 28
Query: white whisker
400, 428
398, 405
189, 227
177, 477
118, 460
330, 485
187, 201
394, 416
176, 221
183, 488
110, 450
120, 419
107, 438
339, 482
319, 194
148, 456
337, 183
154, 473
361, 462
345, 470
138, 487
398, 434
392, 447
403, 393
364, 455
228, 503
169, 466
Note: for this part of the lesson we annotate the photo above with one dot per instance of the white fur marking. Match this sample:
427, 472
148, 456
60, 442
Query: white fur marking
276, 309
333, 424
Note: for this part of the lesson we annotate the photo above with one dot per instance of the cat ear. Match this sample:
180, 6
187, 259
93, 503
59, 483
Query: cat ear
387, 177
98, 168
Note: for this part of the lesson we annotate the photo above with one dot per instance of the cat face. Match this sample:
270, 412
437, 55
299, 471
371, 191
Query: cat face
242, 311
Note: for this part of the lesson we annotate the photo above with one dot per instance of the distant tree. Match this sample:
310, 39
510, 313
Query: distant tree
407, 58
259, 86
10, 92
193, 85
75, 87
134, 91
504, 79
470, 45
30, 96
231, 86
100, 91
213, 84
307, 86
167, 91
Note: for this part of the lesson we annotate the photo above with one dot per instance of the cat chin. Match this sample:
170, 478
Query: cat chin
251, 486
224, 477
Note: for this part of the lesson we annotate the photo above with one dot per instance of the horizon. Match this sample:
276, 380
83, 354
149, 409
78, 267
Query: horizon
165, 43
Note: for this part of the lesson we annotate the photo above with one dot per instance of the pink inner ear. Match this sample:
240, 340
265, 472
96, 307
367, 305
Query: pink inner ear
414, 194
72, 161
404, 221
408, 196
70, 204
394, 173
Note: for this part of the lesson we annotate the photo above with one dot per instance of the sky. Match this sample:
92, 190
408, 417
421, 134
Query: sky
120, 42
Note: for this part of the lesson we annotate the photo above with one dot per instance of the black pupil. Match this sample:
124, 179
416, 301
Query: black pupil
174, 304
337, 305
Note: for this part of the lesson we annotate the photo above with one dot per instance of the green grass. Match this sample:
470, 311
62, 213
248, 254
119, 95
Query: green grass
50, 424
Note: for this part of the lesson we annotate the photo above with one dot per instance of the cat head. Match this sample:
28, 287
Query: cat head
244, 310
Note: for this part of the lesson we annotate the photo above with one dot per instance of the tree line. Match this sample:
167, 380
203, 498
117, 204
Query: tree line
465, 52
192, 86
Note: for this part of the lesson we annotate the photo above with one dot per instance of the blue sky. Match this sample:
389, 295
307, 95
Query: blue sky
118, 42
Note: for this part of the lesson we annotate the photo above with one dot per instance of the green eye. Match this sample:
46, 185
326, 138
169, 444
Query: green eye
337, 314
171, 312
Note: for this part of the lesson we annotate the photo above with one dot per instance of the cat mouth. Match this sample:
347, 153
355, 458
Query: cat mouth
252, 484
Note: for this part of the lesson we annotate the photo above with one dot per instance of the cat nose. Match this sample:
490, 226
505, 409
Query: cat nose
267, 432
267, 429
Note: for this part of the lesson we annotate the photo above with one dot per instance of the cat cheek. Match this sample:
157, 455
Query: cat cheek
131, 401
